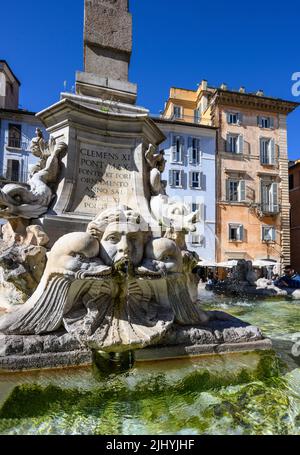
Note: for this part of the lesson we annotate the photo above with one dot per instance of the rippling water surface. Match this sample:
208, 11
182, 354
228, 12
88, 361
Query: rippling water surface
257, 393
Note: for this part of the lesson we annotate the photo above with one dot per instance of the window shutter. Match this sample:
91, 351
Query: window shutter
181, 149
190, 150
272, 151
242, 190
240, 118
240, 144
259, 121
273, 234
241, 233
227, 189
201, 180
261, 148
198, 151
271, 122
228, 117
182, 179
171, 178
228, 143
264, 195
174, 149
191, 179
275, 196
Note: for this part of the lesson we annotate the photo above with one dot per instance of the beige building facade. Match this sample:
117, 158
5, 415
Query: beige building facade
253, 209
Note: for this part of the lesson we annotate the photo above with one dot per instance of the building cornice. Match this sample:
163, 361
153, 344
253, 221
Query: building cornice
250, 100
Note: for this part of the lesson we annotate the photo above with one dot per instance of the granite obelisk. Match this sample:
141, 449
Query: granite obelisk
107, 51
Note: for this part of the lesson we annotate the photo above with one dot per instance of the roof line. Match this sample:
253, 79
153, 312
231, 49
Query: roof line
17, 111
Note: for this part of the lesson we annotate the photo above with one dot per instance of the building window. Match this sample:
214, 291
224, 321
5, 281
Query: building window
265, 122
196, 239
197, 115
291, 181
194, 151
13, 170
176, 178
235, 143
177, 112
196, 180
236, 190
236, 232
267, 151
268, 234
269, 197
14, 135
178, 149
234, 118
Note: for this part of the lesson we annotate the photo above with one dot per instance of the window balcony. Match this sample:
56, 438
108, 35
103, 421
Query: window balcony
269, 209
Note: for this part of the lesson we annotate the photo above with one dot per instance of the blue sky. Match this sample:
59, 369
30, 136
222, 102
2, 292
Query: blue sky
176, 43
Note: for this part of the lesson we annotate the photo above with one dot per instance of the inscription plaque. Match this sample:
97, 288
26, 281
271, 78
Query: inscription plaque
105, 178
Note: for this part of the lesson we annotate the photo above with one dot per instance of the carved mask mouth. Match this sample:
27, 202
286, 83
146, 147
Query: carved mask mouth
123, 265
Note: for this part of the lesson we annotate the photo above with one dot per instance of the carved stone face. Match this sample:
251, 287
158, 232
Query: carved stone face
165, 251
122, 241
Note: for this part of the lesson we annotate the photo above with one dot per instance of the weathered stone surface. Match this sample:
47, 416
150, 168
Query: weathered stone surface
230, 330
107, 38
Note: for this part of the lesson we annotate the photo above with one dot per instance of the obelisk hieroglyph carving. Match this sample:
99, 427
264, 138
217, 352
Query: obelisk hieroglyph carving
107, 38
107, 51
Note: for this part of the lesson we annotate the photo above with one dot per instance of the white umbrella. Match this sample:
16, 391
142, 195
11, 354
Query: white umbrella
263, 263
207, 263
227, 265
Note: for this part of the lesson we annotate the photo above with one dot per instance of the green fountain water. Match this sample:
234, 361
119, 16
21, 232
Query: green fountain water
249, 393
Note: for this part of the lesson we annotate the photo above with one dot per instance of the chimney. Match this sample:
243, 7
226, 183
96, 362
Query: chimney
224, 86
242, 90
260, 93
204, 84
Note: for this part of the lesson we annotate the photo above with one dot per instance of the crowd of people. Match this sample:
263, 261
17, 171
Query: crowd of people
290, 278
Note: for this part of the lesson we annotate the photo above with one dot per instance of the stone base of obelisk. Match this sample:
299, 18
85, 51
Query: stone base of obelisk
61, 350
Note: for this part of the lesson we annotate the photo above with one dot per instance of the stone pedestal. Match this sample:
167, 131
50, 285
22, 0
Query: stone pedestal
105, 165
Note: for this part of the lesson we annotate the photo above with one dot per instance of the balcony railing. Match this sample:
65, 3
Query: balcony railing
269, 209
17, 144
